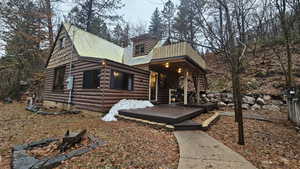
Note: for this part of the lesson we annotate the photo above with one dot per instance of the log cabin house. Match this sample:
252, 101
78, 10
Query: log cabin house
87, 72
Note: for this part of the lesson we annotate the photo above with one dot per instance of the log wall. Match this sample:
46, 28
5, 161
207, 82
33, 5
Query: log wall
103, 98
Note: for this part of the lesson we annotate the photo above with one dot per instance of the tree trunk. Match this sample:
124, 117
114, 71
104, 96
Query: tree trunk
49, 22
89, 16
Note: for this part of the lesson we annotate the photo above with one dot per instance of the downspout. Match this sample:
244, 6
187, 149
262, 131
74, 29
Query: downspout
70, 78
103, 87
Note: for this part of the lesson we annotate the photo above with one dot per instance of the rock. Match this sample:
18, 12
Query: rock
267, 97
249, 100
255, 107
22, 160
226, 100
271, 107
276, 102
210, 95
230, 105
245, 106
260, 101
7, 100
222, 104
284, 161
229, 96
206, 100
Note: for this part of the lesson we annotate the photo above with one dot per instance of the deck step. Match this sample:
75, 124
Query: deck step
188, 125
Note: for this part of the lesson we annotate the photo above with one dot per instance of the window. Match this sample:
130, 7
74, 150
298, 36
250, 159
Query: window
91, 79
59, 75
62, 42
121, 80
140, 49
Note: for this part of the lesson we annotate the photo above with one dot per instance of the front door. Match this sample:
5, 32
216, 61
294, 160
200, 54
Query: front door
153, 86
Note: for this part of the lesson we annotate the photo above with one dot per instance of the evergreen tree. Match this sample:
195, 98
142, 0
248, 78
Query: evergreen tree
117, 34
168, 14
93, 15
156, 26
24, 35
186, 26
125, 36
121, 35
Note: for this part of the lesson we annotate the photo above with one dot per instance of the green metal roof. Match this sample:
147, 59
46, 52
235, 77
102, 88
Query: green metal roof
88, 44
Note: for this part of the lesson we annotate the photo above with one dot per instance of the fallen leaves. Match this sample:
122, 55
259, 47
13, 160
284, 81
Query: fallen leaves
268, 145
129, 145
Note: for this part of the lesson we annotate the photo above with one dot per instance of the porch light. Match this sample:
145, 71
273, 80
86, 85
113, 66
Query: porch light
179, 70
103, 62
116, 74
167, 65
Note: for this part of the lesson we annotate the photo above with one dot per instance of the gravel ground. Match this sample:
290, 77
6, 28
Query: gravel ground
269, 145
129, 145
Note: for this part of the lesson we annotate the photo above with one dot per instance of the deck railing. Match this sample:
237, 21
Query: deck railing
178, 49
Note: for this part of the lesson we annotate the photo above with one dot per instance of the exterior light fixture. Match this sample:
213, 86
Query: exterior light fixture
167, 65
103, 62
179, 70
116, 74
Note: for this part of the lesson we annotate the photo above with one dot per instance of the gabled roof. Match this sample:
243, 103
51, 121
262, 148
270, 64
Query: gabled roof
90, 45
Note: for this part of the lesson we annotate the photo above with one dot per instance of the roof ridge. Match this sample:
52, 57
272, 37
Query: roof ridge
64, 23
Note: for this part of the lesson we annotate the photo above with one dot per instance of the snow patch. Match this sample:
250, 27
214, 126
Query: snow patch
123, 105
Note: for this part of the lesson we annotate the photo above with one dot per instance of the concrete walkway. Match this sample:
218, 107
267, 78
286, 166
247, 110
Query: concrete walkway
200, 151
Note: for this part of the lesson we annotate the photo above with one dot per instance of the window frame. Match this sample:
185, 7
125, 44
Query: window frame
122, 72
62, 42
54, 87
83, 79
139, 49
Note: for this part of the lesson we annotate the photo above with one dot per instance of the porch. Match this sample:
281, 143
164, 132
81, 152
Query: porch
176, 80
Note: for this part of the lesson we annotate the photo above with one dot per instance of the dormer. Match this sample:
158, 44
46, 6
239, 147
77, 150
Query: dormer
143, 44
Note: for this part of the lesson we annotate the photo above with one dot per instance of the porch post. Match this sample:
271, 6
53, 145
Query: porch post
198, 89
185, 87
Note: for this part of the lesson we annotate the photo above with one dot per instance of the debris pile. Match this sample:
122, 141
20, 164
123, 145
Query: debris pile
49, 153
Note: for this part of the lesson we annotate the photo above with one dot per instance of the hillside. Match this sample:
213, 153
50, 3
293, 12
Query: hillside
262, 74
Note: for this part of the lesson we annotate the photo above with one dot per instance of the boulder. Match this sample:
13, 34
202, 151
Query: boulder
245, 106
255, 107
260, 101
249, 100
210, 95
271, 107
267, 97
230, 105
7, 100
222, 104
226, 100
277, 102
229, 96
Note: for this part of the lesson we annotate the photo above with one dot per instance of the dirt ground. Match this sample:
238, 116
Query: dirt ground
269, 145
129, 145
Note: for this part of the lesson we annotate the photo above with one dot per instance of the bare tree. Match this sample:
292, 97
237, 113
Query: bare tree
224, 26
286, 23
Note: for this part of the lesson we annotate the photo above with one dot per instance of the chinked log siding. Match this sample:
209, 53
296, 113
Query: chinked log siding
103, 98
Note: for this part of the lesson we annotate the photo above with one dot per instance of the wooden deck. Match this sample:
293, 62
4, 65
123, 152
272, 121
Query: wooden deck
170, 114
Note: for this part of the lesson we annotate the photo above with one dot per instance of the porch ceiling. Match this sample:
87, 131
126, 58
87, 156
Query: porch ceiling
175, 63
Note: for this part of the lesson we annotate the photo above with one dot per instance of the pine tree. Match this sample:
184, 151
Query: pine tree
117, 34
168, 14
24, 36
156, 26
93, 15
185, 22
